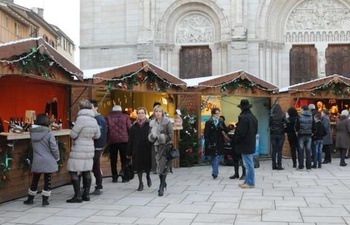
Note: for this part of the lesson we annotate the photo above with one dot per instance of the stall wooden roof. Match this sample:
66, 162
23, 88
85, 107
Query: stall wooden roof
230, 77
310, 85
134, 68
20, 47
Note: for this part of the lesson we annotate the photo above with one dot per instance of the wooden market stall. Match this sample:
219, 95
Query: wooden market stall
134, 85
226, 91
34, 79
330, 92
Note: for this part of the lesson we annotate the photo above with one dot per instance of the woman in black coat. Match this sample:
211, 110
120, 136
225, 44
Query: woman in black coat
139, 147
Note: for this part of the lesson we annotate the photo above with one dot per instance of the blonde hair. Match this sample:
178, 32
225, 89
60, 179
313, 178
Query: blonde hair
158, 107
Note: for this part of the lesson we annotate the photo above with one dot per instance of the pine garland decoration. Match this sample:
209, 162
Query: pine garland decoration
5, 165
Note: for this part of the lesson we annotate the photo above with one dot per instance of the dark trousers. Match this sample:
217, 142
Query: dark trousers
277, 141
96, 169
35, 181
342, 152
327, 153
113, 153
293, 145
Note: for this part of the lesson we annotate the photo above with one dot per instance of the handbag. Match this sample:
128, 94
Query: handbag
129, 171
172, 152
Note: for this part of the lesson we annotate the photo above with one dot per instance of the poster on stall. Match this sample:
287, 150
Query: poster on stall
208, 102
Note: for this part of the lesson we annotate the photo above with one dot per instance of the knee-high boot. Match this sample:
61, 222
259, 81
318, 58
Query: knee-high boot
86, 186
45, 196
140, 188
162, 185
77, 196
31, 195
236, 166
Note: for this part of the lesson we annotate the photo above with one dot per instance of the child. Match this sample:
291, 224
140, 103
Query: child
45, 157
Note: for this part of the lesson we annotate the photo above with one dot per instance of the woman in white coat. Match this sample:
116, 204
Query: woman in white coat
80, 160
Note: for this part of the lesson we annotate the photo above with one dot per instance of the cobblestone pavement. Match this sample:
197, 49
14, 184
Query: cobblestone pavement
287, 197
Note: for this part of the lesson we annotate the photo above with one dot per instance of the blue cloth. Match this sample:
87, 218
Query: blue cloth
215, 161
248, 162
318, 151
304, 142
101, 142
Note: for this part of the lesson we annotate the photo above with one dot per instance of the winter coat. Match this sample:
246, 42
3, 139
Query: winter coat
45, 150
304, 123
118, 125
290, 129
319, 131
245, 134
343, 133
83, 134
213, 137
327, 140
277, 124
101, 141
139, 147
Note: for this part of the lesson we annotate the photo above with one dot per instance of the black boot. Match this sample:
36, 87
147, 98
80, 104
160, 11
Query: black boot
140, 186
86, 186
243, 174
31, 195
45, 196
149, 181
162, 185
97, 191
77, 197
236, 175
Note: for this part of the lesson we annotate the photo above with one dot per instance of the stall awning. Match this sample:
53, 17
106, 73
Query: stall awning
221, 81
136, 67
20, 47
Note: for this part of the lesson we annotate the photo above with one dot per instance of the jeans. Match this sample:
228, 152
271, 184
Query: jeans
318, 152
215, 161
248, 163
304, 142
96, 169
277, 141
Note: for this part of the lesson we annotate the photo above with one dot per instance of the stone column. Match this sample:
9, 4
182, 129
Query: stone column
268, 57
285, 65
321, 58
262, 61
169, 57
224, 61
163, 57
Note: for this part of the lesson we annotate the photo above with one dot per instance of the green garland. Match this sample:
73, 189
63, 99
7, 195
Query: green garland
188, 143
338, 89
5, 165
26, 157
153, 82
244, 84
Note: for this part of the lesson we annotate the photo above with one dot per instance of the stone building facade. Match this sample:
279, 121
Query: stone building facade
281, 41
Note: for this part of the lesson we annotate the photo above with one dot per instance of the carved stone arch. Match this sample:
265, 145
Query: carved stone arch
172, 15
273, 14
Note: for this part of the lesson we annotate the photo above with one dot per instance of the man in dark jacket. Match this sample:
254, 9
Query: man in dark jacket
99, 145
303, 127
118, 125
244, 141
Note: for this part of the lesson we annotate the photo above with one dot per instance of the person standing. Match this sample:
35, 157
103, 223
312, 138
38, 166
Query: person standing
214, 140
342, 141
45, 157
118, 125
244, 141
318, 133
277, 123
99, 144
80, 159
154, 163
139, 147
161, 135
292, 134
303, 127
327, 140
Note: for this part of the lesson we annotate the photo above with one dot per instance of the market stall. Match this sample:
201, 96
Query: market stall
330, 92
134, 85
226, 92
34, 79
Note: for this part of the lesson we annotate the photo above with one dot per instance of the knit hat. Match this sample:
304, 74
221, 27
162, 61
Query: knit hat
312, 106
117, 108
345, 113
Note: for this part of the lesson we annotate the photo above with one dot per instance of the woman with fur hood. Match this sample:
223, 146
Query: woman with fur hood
161, 135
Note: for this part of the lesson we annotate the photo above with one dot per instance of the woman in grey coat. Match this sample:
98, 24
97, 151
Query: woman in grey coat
83, 133
161, 135
342, 138
45, 157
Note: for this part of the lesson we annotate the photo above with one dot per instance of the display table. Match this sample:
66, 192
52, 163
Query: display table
19, 178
